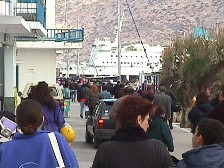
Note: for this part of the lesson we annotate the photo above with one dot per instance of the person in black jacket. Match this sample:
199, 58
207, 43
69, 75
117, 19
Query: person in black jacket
200, 110
218, 112
173, 101
83, 96
131, 146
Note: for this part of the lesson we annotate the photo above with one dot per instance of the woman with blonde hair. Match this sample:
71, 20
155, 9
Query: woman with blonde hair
95, 95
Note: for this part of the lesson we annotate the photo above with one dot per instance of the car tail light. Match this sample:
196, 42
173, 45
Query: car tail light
101, 123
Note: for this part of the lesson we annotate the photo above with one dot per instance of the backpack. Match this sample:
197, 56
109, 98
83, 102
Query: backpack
176, 106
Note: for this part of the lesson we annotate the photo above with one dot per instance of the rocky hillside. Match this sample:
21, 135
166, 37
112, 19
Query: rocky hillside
156, 20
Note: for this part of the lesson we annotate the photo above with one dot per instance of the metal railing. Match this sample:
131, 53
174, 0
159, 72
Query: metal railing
69, 35
31, 10
59, 35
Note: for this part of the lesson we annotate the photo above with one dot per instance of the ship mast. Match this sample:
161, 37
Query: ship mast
119, 39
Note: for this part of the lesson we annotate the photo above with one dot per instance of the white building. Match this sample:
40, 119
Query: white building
28, 44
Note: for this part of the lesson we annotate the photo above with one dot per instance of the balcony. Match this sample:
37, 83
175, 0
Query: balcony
59, 35
31, 10
69, 35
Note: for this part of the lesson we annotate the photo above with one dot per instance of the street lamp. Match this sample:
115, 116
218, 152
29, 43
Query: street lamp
119, 39
68, 62
77, 49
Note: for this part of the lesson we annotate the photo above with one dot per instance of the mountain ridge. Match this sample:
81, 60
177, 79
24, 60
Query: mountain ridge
157, 21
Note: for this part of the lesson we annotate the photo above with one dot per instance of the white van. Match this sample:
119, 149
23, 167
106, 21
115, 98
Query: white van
56, 91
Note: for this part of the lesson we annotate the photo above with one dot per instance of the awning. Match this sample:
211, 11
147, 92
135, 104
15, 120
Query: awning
14, 25
17, 26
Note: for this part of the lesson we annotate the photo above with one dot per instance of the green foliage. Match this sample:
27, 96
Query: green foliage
197, 62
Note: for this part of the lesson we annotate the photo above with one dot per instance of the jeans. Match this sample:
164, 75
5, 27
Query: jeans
73, 94
82, 108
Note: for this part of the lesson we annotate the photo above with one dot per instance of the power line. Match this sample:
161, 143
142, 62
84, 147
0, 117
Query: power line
137, 31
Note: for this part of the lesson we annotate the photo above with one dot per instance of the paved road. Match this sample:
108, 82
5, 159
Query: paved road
85, 152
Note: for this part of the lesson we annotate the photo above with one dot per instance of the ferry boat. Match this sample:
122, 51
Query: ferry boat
136, 59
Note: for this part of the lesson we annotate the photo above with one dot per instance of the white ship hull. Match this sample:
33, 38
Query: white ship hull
104, 60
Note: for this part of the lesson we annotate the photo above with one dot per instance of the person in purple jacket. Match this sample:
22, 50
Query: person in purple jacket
53, 118
31, 147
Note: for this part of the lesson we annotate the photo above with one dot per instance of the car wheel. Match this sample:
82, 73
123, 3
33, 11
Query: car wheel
97, 142
88, 137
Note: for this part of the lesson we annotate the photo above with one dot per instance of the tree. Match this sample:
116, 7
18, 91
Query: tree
192, 65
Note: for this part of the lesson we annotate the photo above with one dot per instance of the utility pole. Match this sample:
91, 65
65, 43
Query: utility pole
119, 39
77, 49
67, 51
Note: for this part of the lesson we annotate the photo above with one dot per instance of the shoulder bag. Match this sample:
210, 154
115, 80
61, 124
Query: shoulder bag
57, 152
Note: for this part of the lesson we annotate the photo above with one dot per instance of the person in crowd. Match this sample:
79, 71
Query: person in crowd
120, 92
66, 91
215, 101
105, 94
208, 148
149, 97
164, 101
53, 118
110, 88
115, 89
95, 96
131, 146
114, 111
159, 129
31, 147
218, 112
139, 93
83, 96
73, 90
193, 101
200, 110
173, 101
144, 86
149, 89
148, 93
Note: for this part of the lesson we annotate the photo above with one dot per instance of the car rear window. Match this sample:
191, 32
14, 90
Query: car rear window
107, 107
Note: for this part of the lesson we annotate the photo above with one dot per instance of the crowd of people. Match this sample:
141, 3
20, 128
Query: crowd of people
159, 126
143, 121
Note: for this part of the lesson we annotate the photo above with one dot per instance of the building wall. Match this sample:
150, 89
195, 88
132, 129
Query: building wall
36, 65
1, 71
50, 14
6, 8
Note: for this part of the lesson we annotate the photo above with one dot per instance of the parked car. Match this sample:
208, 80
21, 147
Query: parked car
98, 126
54, 88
